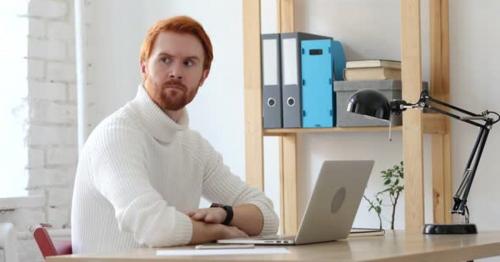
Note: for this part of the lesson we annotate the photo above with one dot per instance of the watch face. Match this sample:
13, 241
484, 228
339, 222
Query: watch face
216, 205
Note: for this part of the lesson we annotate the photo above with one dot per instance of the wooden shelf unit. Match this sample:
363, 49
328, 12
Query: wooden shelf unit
415, 123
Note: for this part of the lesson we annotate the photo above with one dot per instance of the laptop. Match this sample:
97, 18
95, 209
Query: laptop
331, 209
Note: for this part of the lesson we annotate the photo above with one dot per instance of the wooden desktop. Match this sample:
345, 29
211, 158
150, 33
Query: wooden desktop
394, 246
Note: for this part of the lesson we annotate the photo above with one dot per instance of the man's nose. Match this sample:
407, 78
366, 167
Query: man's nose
175, 72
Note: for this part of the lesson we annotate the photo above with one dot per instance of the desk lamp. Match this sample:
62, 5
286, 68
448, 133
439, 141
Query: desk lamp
374, 104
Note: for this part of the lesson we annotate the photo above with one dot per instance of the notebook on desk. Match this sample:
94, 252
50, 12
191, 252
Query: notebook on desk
331, 209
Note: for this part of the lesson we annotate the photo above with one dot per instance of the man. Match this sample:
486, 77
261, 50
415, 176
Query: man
142, 172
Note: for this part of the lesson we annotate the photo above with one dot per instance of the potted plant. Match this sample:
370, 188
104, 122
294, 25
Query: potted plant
393, 186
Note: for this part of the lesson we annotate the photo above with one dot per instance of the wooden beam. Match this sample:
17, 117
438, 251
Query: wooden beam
441, 179
447, 180
440, 89
412, 119
439, 48
285, 14
438, 197
254, 161
435, 124
288, 142
288, 163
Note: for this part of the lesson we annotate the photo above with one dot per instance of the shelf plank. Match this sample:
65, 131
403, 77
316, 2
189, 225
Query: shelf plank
284, 131
433, 124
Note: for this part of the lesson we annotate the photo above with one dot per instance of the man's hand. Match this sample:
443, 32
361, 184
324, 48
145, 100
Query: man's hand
246, 217
232, 232
208, 215
204, 232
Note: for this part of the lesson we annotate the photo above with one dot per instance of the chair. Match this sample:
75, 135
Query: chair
8, 242
48, 247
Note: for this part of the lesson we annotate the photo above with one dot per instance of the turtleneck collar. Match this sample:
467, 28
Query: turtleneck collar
157, 122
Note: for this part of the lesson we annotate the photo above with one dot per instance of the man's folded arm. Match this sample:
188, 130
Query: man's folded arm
120, 175
253, 211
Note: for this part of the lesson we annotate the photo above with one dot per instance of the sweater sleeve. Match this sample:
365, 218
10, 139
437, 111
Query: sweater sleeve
221, 186
120, 174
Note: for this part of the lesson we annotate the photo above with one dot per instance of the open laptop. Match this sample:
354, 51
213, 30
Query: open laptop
331, 209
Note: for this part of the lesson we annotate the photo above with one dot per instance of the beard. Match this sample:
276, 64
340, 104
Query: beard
172, 95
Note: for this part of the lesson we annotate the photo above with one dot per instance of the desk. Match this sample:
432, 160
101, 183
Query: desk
394, 246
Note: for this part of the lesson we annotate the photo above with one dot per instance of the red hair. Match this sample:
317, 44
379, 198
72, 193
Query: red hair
178, 24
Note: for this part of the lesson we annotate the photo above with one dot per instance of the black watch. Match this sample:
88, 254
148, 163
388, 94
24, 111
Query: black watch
229, 212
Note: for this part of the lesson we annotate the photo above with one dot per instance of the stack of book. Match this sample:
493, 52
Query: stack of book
378, 74
378, 69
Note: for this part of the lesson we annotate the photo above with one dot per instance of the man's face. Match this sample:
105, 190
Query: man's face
174, 71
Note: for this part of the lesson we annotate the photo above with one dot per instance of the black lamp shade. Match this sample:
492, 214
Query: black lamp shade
370, 103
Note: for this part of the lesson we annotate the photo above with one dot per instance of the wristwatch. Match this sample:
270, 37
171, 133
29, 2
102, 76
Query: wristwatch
229, 212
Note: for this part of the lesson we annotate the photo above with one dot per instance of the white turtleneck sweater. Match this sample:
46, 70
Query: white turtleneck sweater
139, 171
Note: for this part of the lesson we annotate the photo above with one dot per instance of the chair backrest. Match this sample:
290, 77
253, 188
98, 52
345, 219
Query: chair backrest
48, 247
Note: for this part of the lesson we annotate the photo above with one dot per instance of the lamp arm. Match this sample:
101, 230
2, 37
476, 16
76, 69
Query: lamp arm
462, 193
438, 110
460, 197
426, 101
430, 99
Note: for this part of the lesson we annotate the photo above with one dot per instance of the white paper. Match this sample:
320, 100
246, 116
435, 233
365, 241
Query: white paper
270, 61
290, 60
218, 252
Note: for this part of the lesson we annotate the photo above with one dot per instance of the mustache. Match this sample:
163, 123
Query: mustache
174, 84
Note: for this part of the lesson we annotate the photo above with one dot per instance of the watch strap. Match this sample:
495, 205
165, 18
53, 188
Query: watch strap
229, 212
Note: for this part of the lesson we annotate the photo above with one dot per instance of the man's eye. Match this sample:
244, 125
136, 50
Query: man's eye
189, 63
165, 60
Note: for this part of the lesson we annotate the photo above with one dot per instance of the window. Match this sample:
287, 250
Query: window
14, 91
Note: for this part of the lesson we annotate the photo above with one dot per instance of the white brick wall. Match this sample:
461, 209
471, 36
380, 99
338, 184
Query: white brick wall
47, 111
37, 28
50, 9
46, 49
51, 137
60, 30
47, 91
51, 134
36, 69
61, 156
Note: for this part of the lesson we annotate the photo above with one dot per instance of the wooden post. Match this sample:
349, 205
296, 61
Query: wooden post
440, 89
254, 160
288, 163
412, 119
288, 142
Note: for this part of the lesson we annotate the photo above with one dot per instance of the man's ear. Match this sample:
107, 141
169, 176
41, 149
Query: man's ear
143, 69
204, 76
